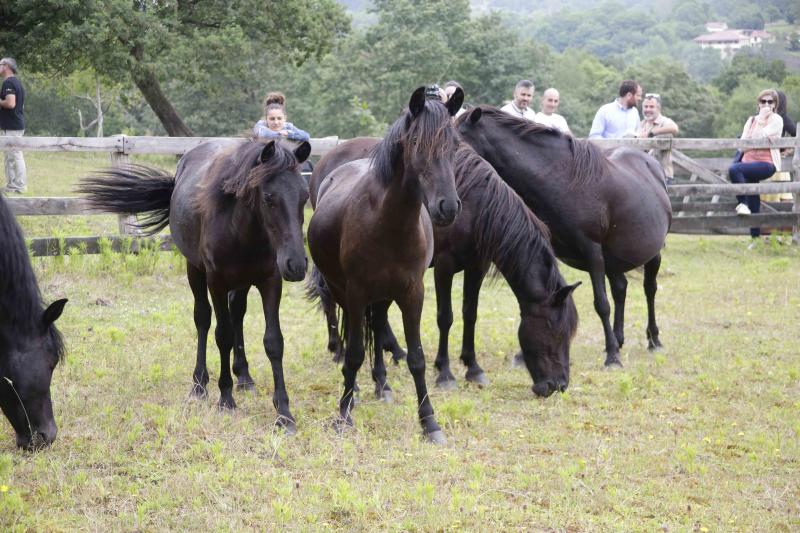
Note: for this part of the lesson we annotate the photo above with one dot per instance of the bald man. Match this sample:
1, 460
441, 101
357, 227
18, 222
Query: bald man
548, 116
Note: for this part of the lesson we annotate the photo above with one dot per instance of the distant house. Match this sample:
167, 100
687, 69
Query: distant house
729, 41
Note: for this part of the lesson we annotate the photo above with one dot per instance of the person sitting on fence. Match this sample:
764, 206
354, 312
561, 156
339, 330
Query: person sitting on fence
274, 122
758, 164
657, 125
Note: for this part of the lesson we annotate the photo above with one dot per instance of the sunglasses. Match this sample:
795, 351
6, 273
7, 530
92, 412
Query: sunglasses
765, 101
652, 95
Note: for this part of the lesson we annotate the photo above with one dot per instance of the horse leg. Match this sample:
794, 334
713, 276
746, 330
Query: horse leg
602, 307
411, 308
443, 278
379, 324
202, 321
619, 289
390, 344
334, 342
473, 279
224, 337
650, 287
237, 303
273, 344
355, 307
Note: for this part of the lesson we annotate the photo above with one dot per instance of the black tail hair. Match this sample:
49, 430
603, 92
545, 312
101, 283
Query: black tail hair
132, 189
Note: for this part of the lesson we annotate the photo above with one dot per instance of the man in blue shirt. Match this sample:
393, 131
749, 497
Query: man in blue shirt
619, 118
12, 123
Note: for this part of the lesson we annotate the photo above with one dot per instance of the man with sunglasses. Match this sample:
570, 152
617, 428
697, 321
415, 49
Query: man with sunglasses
760, 163
657, 125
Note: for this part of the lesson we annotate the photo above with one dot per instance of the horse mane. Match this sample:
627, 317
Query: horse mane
430, 133
589, 163
20, 300
238, 174
508, 233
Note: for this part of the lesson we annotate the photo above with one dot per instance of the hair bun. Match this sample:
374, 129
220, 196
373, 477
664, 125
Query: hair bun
275, 98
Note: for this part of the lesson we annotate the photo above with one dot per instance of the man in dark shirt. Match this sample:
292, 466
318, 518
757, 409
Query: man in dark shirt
12, 124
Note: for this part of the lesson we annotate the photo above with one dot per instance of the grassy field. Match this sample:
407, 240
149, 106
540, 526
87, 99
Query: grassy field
702, 436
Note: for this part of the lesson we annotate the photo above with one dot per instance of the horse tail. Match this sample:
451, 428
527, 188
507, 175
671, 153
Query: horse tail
132, 189
316, 287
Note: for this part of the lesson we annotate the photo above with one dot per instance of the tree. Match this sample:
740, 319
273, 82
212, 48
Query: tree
750, 63
135, 38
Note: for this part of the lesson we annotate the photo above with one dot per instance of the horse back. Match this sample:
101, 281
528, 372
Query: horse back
357, 148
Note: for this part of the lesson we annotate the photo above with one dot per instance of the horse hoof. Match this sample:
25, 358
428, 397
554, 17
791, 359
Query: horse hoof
479, 379
518, 361
446, 384
287, 424
227, 404
386, 396
245, 385
399, 356
198, 392
436, 437
654, 346
612, 364
342, 425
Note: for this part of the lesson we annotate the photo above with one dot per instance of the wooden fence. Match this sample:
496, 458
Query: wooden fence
702, 203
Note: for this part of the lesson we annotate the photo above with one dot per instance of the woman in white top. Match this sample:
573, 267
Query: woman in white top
760, 163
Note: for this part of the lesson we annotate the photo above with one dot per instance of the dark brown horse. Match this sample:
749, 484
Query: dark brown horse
372, 240
235, 211
30, 344
607, 215
496, 227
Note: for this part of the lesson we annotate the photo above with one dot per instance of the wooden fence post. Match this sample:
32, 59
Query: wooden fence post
796, 177
120, 158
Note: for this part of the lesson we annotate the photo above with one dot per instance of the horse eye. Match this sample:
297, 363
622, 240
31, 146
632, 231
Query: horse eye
269, 198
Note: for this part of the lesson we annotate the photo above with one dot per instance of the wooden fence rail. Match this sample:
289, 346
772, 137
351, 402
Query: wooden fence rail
703, 205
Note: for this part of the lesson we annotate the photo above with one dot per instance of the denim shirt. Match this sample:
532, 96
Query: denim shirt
296, 134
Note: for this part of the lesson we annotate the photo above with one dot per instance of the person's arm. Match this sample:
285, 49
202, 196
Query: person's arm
9, 102
296, 134
598, 125
668, 128
774, 126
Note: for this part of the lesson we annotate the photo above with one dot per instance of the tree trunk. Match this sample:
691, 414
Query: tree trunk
146, 81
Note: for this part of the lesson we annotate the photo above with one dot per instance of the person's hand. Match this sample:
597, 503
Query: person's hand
764, 112
285, 133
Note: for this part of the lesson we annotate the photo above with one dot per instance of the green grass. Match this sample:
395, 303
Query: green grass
702, 436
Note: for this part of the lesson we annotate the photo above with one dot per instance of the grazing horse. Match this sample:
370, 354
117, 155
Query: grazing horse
235, 211
372, 240
607, 215
30, 344
496, 227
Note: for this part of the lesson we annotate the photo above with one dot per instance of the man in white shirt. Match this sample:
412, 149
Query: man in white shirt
519, 106
619, 118
548, 116
655, 124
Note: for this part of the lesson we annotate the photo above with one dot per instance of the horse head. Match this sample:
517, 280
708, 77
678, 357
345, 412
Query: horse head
545, 333
275, 189
29, 356
428, 142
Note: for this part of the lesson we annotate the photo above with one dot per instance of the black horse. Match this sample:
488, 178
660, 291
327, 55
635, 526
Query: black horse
496, 227
30, 344
607, 215
371, 238
235, 211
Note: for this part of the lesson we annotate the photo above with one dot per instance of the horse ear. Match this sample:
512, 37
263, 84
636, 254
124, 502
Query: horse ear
53, 311
267, 152
302, 151
417, 102
560, 296
475, 115
455, 102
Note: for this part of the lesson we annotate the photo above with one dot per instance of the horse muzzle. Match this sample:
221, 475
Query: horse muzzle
445, 211
40, 438
294, 269
545, 388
